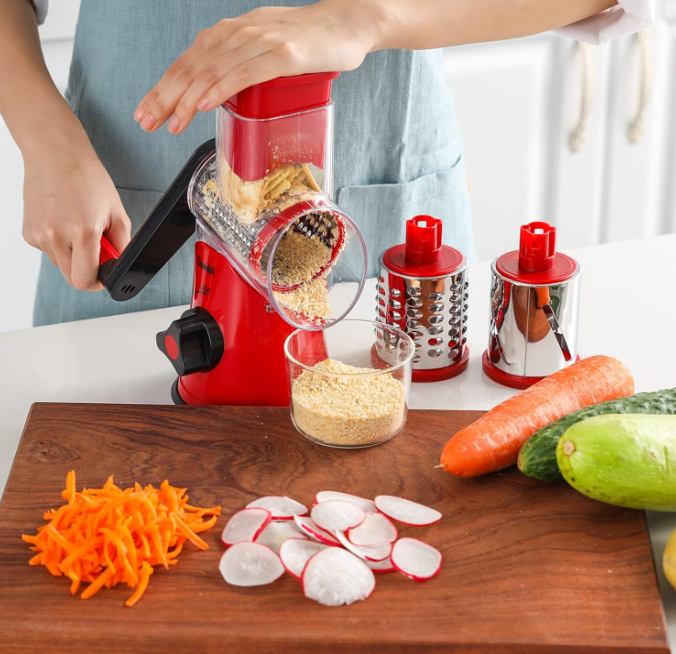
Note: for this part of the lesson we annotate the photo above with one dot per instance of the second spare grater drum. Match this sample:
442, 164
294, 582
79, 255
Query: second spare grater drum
535, 297
423, 290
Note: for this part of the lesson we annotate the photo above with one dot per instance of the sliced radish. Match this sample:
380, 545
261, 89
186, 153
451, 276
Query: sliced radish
275, 533
362, 502
246, 524
337, 515
416, 559
281, 508
250, 564
376, 553
334, 577
406, 512
375, 530
296, 552
380, 566
313, 531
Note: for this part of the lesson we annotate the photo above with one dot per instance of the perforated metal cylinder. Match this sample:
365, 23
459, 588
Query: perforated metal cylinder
432, 311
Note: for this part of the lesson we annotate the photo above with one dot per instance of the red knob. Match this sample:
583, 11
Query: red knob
423, 239
537, 247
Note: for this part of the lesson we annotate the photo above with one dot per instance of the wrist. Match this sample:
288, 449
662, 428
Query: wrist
370, 21
380, 18
54, 130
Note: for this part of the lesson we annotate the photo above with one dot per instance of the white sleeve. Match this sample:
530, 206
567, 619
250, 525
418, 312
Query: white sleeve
40, 7
628, 17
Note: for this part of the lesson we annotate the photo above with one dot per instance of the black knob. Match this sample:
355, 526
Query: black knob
193, 343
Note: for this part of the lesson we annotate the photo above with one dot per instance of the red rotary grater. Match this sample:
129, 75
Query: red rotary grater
535, 299
265, 180
423, 290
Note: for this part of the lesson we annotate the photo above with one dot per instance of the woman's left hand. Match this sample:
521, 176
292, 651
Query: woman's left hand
269, 42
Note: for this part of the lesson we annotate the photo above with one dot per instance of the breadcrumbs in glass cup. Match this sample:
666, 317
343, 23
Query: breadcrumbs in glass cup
349, 384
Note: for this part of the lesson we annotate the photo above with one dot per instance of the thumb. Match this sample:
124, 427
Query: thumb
119, 231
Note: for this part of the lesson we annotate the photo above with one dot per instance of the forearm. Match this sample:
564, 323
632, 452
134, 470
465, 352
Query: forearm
30, 103
423, 24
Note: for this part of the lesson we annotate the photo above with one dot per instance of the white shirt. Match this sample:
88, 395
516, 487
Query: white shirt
627, 17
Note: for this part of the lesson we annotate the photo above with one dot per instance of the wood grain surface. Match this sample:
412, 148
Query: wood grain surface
529, 568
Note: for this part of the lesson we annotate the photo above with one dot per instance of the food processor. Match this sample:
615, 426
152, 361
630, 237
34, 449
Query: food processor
273, 252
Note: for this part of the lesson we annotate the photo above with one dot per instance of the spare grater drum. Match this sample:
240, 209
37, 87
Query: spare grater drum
535, 296
423, 290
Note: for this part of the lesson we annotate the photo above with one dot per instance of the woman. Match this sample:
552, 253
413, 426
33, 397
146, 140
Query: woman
90, 169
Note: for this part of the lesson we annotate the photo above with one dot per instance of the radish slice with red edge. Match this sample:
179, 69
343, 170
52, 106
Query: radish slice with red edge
334, 577
407, 512
416, 559
246, 524
380, 567
337, 515
362, 502
276, 533
250, 564
313, 531
281, 508
296, 552
375, 530
376, 553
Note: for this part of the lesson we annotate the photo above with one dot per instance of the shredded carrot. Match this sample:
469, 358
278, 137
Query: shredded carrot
106, 536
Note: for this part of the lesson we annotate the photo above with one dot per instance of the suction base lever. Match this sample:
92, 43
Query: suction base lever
193, 343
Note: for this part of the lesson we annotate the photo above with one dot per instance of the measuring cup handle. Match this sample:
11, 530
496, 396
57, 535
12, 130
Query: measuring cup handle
108, 252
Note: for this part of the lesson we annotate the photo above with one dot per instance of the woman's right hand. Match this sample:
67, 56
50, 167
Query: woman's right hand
70, 201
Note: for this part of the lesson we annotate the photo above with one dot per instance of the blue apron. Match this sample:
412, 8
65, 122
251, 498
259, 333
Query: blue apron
398, 151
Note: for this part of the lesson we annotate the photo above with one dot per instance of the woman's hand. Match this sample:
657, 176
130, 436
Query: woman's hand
332, 35
69, 202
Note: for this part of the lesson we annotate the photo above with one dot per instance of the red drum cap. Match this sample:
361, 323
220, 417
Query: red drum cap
537, 262
423, 254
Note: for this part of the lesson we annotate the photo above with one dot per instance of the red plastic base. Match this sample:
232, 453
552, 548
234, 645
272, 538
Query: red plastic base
252, 371
439, 374
504, 378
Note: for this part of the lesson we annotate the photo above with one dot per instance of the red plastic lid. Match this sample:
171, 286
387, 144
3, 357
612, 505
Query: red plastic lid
423, 254
283, 95
536, 261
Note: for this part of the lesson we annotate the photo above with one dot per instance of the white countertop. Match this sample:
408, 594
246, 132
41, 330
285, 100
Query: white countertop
627, 311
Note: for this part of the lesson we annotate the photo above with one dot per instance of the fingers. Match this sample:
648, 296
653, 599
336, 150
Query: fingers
38, 243
158, 105
186, 100
76, 251
119, 230
278, 62
63, 254
84, 268
216, 54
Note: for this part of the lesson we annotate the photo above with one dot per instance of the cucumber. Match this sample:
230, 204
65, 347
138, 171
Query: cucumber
537, 457
626, 460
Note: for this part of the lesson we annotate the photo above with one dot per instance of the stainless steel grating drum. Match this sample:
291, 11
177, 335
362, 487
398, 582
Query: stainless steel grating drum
535, 297
423, 289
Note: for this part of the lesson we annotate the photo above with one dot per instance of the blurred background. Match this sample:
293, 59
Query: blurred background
581, 136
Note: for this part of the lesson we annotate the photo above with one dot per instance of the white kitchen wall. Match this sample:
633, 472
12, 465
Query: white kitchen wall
519, 103
19, 262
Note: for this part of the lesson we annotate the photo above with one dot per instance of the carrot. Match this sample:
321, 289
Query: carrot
146, 571
106, 536
494, 440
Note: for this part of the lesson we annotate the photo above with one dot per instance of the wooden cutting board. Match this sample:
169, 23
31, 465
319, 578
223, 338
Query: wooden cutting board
529, 568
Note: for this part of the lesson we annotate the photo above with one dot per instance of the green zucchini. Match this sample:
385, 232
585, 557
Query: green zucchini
537, 457
626, 460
